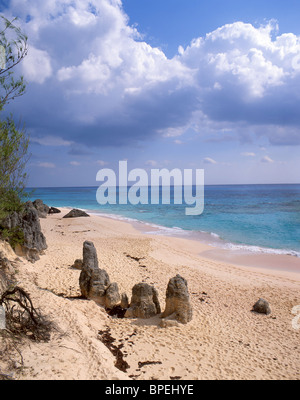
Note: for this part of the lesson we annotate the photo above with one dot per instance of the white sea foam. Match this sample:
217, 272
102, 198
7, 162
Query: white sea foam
260, 250
210, 238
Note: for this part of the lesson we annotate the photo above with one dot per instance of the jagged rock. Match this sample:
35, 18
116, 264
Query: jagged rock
41, 208
28, 223
112, 296
78, 264
262, 307
144, 302
76, 213
93, 281
90, 258
177, 300
53, 210
124, 301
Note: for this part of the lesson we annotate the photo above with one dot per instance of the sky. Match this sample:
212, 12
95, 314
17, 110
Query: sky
186, 84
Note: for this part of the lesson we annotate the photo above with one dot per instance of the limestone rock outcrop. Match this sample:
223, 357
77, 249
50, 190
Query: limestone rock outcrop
178, 304
94, 282
41, 208
28, 223
112, 296
144, 302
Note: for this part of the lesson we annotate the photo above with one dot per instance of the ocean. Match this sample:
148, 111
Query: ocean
255, 218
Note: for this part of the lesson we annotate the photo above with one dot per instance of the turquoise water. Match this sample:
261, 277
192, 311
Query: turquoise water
259, 218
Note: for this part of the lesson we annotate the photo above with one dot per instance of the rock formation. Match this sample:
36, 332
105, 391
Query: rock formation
144, 302
94, 282
177, 301
27, 222
41, 208
76, 213
112, 296
262, 307
53, 210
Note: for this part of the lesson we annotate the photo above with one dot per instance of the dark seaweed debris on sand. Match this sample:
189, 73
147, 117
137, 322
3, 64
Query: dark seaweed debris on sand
108, 340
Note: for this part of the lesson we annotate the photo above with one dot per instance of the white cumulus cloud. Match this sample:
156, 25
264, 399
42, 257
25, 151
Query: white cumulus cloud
100, 83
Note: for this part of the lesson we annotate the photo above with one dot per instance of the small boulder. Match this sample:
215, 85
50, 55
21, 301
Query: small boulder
76, 214
53, 210
178, 301
262, 307
78, 264
144, 302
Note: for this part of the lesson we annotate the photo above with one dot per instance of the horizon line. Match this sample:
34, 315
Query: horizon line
213, 184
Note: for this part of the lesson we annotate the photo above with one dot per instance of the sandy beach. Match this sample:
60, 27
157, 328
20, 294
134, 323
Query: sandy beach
224, 340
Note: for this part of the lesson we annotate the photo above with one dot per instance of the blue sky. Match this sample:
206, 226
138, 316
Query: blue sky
163, 84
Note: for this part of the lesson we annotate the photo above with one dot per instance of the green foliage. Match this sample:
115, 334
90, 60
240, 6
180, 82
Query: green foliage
13, 48
13, 157
13, 140
13, 236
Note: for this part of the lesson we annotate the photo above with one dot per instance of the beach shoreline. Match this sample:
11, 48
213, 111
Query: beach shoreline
264, 259
224, 340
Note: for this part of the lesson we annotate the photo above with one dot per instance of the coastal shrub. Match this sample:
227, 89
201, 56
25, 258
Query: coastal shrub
13, 236
13, 140
13, 159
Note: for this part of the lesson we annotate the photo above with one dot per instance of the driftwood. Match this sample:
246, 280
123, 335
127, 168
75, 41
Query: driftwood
22, 317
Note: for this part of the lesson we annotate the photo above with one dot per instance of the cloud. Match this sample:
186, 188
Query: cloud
93, 78
37, 66
248, 154
75, 163
50, 141
46, 165
208, 160
267, 159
